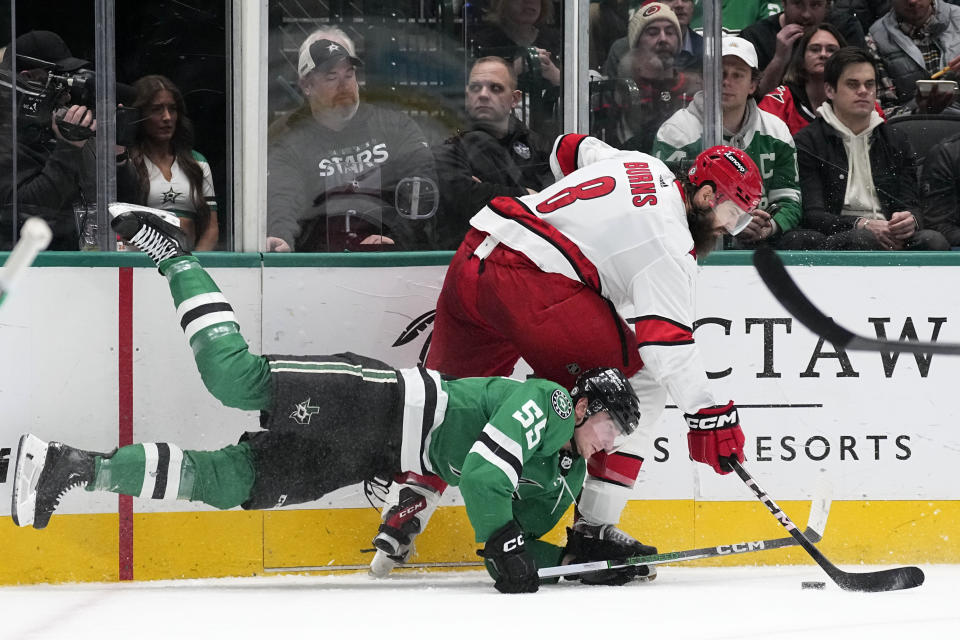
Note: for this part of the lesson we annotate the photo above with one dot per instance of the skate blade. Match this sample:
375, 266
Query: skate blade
31, 455
118, 208
381, 565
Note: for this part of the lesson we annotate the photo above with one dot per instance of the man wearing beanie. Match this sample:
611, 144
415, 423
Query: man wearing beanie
652, 88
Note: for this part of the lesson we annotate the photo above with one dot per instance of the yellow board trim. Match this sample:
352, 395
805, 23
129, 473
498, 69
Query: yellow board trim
84, 548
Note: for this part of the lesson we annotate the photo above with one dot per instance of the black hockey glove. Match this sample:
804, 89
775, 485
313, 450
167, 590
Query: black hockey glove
508, 562
587, 543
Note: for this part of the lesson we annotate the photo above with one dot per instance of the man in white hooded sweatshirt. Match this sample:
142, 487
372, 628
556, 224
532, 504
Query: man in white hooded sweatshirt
857, 175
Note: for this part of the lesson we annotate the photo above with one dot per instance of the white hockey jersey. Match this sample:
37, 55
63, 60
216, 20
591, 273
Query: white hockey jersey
616, 221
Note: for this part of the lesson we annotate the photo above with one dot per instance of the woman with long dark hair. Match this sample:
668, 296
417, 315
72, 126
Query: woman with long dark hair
171, 175
802, 92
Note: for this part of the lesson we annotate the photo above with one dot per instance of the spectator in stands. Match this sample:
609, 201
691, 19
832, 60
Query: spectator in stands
865, 11
522, 32
915, 39
55, 154
345, 175
940, 201
802, 92
763, 136
689, 56
496, 155
858, 175
608, 23
654, 37
736, 14
691, 43
170, 174
775, 36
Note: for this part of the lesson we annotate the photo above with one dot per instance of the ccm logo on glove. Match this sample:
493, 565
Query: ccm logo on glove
702, 421
513, 544
715, 437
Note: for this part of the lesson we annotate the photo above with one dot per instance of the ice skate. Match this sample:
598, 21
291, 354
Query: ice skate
44, 473
154, 231
588, 541
401, 524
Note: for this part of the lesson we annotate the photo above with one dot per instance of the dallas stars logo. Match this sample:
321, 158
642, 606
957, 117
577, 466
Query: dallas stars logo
333, 47
171, 196
304, 411
562, 403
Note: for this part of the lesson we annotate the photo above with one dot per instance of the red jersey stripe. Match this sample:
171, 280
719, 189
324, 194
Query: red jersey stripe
658, 330
619, 468
515, 210
567, 152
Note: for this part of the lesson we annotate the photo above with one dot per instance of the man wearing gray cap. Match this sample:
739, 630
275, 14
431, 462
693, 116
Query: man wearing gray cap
346, 175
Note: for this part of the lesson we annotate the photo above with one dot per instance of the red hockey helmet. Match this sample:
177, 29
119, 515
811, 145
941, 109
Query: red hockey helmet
735, 179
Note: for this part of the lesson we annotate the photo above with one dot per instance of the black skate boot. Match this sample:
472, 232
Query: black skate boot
401, 524
154, 231
44, 473
587, 542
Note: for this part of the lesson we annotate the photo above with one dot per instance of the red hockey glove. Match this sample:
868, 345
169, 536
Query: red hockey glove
715, 437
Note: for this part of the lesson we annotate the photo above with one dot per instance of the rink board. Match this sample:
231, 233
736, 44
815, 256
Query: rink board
92, 355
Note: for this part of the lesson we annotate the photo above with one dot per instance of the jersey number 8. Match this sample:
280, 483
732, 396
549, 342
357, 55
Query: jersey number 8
595, 188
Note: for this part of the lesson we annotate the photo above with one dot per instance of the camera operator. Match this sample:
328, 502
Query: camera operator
56, 163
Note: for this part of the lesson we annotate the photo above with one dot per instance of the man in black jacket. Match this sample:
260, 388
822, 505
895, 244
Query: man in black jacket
344, 175
775, 36
857, 175
941, 189
56, 163
497, 155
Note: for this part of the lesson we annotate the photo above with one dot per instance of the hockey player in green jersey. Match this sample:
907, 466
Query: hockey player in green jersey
515, 449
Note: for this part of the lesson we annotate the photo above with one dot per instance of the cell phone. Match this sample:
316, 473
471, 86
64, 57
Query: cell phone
128, 121
925, 87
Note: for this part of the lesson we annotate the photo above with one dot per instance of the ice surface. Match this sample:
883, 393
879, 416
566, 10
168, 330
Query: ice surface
695, 603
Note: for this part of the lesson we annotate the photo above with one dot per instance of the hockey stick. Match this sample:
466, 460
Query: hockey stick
787, 293
34, 237
816, 522
885, 580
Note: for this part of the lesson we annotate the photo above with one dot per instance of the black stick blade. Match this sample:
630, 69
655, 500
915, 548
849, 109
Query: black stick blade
886, 580
787, 293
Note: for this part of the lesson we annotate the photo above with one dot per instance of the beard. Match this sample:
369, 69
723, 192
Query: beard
337, 110
700, 221
345, 104
666, 55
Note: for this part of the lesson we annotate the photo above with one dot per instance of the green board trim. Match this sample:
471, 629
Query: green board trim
842, 258
389, 259
223, 259
114, 259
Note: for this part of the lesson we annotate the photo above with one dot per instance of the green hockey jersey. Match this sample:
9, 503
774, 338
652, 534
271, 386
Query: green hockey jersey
764, 137
737, 15
499, 440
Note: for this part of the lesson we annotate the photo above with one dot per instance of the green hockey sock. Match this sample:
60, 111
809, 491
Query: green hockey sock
230, 372
162, 471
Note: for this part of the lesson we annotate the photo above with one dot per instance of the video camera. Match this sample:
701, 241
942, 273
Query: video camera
38, 99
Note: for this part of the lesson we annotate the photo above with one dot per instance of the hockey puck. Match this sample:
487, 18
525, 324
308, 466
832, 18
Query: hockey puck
813, 585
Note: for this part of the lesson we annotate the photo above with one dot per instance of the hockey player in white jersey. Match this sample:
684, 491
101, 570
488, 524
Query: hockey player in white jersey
598, 269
